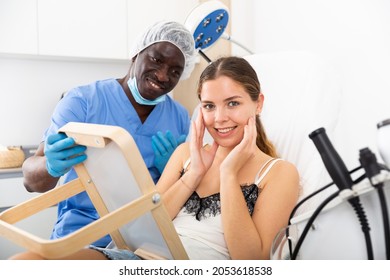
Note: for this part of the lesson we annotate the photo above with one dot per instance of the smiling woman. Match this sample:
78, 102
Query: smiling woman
234, 84
224, 202
226, 117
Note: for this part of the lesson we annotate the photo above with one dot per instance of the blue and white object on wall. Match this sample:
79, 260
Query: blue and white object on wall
207, 22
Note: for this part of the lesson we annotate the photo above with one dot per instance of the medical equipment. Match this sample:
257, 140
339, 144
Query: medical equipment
331, 231
207, 22
384, 140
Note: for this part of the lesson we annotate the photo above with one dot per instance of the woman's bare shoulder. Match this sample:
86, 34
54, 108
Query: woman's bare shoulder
287, 166
183, 149
284, 170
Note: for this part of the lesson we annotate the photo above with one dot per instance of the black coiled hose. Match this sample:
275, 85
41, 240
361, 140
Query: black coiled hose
357, 206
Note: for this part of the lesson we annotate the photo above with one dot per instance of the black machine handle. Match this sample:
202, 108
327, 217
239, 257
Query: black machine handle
332, 160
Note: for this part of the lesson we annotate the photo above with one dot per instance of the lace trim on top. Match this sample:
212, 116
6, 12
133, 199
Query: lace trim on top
210, 206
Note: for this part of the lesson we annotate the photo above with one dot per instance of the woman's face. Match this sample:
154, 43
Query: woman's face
226, 109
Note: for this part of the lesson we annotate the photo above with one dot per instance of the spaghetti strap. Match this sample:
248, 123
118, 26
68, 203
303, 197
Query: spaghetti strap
272, 161
258, 179
185, 166
188, 161
262, 167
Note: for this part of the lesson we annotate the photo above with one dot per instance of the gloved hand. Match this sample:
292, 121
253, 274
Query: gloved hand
61, 154
163, 147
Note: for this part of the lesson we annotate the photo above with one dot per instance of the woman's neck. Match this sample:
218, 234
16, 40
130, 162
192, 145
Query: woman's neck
223, 152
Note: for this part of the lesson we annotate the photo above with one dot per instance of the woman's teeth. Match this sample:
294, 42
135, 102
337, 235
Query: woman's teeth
224, 130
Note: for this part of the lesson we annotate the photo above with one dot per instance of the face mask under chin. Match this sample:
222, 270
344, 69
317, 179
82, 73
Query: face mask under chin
132, 84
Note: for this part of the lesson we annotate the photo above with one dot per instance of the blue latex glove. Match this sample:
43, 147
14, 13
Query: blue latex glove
61, 154
163, 147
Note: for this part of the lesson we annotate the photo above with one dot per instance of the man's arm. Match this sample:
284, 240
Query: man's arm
36, 177
53, 159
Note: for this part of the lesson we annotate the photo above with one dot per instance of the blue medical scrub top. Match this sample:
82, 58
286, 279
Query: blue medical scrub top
105, 102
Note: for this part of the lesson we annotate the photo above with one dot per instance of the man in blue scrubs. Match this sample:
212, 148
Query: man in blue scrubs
138, 102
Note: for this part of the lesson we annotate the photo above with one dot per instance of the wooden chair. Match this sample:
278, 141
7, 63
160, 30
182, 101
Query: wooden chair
119, 185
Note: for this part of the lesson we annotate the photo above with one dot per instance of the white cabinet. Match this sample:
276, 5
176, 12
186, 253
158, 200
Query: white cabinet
82, 29
18, 27
88, 28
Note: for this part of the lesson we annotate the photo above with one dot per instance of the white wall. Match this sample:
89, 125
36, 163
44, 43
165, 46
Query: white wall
242, 25
30, 89
352, 35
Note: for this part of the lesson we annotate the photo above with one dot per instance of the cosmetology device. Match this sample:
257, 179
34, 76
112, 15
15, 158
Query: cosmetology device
207, 22
353, 221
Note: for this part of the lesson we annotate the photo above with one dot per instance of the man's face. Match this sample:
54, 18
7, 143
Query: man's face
158, 69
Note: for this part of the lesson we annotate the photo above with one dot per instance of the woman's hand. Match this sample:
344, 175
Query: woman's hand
201, 157
237, 158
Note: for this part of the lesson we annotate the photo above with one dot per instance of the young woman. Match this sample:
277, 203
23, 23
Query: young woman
227, 200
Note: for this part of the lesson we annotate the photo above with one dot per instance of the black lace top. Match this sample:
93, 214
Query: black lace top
211, 205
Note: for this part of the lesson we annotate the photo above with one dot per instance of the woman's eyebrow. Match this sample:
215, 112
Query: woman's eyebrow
225, 100
233, 97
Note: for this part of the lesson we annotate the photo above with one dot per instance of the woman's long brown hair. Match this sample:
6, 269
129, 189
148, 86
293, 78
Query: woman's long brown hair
239, 70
